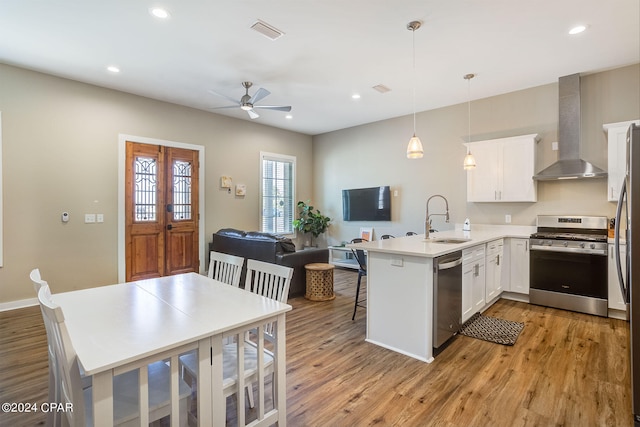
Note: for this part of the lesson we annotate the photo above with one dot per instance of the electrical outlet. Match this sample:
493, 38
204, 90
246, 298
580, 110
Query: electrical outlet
99, 217
507, 218
397, 262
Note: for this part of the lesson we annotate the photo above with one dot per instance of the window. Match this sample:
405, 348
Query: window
277, 192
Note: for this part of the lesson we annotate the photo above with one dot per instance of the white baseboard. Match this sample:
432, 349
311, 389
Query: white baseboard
12, 305
513, 296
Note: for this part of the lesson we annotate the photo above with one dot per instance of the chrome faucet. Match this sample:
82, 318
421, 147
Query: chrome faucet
427, 221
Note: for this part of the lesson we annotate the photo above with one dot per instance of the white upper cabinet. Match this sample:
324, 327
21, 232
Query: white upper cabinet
616, 137
504, 170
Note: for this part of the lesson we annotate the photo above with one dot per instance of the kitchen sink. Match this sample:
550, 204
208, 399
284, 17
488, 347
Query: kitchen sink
449, 240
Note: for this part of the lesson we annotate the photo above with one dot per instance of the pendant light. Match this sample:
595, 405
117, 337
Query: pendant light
414, 149
469, 160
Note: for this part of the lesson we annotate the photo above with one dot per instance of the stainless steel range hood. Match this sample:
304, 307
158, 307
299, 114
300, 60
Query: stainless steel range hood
569, 164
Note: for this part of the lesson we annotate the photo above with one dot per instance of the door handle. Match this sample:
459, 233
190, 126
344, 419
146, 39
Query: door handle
169, 227
169, 207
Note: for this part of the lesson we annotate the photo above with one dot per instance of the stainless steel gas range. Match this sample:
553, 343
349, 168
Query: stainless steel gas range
568, 270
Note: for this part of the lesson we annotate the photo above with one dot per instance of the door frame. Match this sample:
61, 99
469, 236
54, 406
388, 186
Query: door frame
122, 154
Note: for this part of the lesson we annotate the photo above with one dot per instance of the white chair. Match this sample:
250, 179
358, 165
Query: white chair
125, 386
225, 268
53, 419
269, 280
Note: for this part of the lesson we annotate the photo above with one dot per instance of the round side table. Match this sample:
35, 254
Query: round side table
319, 282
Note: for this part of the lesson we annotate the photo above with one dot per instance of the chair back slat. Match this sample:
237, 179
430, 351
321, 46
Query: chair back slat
52, 418
68, 369
225, 268
269, 280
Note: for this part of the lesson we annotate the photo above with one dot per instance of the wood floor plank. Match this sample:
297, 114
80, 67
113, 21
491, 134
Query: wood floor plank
566, 369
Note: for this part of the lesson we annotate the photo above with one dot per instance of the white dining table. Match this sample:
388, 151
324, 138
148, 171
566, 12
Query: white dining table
125, 326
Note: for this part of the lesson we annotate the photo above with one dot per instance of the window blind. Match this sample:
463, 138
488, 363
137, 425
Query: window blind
277, 198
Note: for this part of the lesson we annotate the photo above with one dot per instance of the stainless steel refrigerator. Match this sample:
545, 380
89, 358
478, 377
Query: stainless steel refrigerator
628, 216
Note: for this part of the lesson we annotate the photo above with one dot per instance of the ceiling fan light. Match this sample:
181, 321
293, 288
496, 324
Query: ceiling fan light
469, 161
246, 107
414, 149
159, 12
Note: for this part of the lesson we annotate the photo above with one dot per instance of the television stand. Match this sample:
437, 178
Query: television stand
341, 256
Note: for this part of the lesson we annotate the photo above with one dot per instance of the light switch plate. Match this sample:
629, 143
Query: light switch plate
89, 218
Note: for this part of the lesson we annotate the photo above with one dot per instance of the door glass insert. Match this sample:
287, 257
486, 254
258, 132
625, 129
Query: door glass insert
181, 190
146, 187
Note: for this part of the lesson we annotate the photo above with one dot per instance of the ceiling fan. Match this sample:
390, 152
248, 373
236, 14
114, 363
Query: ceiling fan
247, 103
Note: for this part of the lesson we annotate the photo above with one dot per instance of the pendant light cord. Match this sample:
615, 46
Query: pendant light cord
469, 109
413, 31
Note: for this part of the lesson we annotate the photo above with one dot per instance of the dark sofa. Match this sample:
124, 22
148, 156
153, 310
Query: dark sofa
269, 248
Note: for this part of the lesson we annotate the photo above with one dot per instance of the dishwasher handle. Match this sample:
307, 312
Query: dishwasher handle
449, 264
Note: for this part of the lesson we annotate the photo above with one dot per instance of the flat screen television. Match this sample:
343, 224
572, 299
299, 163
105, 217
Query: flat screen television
367, 204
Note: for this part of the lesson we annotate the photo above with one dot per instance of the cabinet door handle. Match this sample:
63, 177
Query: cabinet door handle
476, 270
498, 259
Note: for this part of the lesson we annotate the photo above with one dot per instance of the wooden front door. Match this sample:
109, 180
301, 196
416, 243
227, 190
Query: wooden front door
161, 209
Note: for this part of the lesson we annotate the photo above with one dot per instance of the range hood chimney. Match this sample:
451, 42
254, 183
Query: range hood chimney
569, 164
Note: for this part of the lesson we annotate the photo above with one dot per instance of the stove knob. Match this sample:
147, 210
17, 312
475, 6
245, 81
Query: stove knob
582, 245
549, 242
593, 246
566, 244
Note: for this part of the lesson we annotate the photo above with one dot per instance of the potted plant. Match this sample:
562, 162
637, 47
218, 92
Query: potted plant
310, 220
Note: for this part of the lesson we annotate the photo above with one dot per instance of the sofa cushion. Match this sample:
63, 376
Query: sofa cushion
232, 232
284, 244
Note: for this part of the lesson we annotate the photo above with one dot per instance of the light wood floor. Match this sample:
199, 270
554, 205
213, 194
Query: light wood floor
566, 369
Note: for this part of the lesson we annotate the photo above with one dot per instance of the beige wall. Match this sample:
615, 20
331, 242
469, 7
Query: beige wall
374, 154
60, 153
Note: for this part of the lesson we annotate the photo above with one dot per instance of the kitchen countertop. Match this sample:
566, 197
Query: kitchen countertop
418, 246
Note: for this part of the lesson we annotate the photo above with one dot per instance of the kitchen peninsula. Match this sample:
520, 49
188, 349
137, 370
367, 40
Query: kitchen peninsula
400, 284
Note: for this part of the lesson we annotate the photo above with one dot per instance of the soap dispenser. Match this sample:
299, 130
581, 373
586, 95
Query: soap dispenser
467, 225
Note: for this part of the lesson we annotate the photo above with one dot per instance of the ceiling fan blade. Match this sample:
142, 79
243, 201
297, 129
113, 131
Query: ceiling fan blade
226, 106
260, 94
253, 114
235, 101
274, 107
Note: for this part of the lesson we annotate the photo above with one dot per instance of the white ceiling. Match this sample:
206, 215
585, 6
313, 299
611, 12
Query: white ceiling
331, 49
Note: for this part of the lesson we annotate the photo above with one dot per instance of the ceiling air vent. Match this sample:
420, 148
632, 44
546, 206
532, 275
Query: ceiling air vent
267, 30
381, 88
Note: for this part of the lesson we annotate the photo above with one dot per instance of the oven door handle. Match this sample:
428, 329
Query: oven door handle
569, 250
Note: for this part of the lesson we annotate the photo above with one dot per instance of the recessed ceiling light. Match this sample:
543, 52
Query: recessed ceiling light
577, 29
159, 12
355, 96
288, 116
113, 69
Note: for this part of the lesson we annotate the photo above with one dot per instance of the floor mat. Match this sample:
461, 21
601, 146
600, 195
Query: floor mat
492, 329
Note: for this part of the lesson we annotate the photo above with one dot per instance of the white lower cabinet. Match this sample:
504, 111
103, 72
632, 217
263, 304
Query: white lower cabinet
473, 281
616, 302
519, 266
493, 284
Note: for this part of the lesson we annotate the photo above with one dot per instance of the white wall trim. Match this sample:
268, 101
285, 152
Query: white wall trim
14, 305
122, 154
1, 263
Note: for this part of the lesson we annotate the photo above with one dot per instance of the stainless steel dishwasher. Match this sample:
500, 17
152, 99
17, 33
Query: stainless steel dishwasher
447, 297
